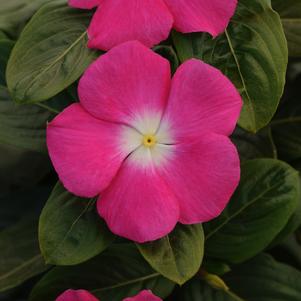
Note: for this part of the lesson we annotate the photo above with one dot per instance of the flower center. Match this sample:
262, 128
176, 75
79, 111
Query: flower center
149, 140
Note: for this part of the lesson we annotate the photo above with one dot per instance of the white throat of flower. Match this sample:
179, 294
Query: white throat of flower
149, 140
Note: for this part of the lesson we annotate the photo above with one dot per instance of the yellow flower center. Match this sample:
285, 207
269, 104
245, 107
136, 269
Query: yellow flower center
149, 140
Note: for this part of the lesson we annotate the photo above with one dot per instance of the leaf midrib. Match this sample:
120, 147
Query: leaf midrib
57, 247
280, 121
174, 258
60, 57
291, 20
125, 283
251, 109
230, 218
20, 267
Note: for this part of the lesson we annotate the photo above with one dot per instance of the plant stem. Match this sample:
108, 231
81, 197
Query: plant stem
286, 120
52, 110
234, 296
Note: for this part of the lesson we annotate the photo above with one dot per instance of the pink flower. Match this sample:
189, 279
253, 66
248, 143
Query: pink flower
144, 296
76, 295
150, 21
155, 149
82, 295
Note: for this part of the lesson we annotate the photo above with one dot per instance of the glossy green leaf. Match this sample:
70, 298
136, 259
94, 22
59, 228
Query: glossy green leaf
286, 129
3, 35
199, 290
264, 279
295, 221
260, 279
22, 126
70, 230
292, 225
20, 168
266, 198
50, 54
214, 266
177, 256
115, 274
290, 248
252, 53
15, 13
6, 46
169, 53
20, 257
290, 12
253, 146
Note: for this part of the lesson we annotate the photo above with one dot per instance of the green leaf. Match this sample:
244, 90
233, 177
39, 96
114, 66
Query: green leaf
169, 53
20, 168
177, 256
216, 267
260, 208
50, 54
295, 221
6, 46
14, 13
260, 279
286, 128
252, 53
3, 36
22, 126
20, 257
290, 248
70, 230
253, 146
292, 225
115, 274
264, 279
290, 12
199, 290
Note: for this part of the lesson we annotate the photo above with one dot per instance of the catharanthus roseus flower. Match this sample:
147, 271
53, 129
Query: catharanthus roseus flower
76, 295
155, 149
150, 21
82, 295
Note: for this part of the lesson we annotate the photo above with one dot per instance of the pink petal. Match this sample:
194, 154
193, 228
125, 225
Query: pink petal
125, 83
84, 150
144, 296
203, 174
211, 16
138, 205
85, 4
76, 295
118, 21
201, 99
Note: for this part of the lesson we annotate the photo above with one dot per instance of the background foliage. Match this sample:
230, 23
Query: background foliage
51, 240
